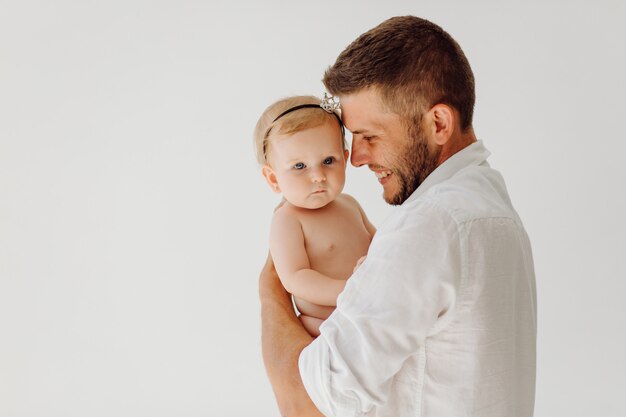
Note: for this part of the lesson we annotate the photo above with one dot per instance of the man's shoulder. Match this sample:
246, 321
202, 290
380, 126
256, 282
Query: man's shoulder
476, 192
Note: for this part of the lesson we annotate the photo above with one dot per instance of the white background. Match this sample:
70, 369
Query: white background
134, 220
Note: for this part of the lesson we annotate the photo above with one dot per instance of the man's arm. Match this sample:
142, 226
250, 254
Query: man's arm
282, 339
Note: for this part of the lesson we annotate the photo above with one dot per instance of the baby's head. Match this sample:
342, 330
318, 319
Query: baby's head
302, 151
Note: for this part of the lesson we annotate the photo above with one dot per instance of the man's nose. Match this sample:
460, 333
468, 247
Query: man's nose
359, 155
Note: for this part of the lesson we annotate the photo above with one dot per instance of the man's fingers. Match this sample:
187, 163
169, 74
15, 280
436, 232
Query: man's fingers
358, 263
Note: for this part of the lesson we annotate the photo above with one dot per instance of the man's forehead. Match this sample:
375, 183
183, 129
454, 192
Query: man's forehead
370, 123
362, 111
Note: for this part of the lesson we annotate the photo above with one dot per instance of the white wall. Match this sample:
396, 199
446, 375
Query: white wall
133, 218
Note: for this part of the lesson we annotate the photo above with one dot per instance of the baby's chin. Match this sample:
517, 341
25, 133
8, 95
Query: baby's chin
311, 203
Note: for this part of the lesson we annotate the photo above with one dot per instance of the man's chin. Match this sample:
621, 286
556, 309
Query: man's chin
396, 195
392, 198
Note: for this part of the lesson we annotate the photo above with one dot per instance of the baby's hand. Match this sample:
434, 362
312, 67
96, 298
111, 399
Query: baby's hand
358, 263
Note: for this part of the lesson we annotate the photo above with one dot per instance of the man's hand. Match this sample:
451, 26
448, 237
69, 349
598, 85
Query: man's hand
358, 263
282, 339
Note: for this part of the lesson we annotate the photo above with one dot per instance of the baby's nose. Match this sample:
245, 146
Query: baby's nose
318, 176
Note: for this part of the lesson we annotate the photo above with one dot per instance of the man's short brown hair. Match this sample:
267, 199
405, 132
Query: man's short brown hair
413, 63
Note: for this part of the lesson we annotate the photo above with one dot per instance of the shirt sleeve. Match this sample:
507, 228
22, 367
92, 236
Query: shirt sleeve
403, 292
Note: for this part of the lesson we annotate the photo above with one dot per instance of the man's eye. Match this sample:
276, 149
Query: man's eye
329, 160
299, 165
367, 138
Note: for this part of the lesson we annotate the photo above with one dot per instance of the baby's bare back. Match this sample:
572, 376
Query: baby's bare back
335, 238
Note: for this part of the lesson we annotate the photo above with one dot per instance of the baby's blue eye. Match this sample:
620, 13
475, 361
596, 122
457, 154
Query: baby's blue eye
329, 160
299, 165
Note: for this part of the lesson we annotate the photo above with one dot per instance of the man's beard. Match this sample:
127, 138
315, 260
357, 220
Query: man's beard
416, 162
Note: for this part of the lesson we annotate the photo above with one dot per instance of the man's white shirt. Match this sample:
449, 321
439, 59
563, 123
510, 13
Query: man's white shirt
440, 319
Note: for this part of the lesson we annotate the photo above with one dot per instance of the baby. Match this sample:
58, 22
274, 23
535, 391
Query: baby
318, 234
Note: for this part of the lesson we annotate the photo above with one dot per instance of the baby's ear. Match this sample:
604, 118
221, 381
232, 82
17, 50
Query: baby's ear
346, 153
270, 177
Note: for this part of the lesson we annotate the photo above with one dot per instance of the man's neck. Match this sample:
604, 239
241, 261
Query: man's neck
456, 144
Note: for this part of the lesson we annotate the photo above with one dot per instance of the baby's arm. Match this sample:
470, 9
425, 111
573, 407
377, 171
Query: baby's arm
368, 226
292, 263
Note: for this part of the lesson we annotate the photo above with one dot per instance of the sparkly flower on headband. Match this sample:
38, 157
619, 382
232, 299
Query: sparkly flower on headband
329, 103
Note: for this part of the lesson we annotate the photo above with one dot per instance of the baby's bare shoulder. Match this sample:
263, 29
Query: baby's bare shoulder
285, 213
348, 200
284, 223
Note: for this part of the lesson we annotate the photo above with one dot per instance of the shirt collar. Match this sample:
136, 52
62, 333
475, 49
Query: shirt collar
474, 154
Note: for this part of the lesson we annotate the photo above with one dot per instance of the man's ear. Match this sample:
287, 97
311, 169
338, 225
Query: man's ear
270, 177
442, 123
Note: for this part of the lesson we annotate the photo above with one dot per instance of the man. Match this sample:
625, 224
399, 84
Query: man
440, 319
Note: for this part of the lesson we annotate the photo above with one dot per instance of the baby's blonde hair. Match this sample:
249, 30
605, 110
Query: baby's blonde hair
288, 124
